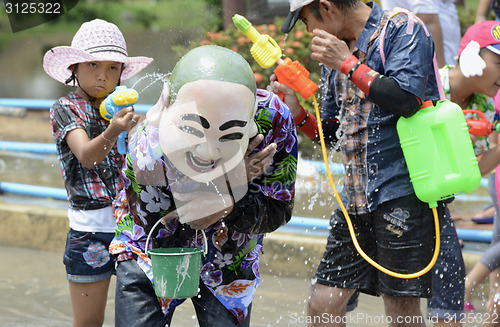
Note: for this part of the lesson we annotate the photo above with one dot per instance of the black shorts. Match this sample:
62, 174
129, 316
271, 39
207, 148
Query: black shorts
399, 235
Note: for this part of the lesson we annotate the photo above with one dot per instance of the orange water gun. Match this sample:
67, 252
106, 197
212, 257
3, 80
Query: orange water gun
482, 126
266, 52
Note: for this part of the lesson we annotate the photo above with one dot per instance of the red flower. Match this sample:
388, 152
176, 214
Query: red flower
258, 77
299, 34
243, 40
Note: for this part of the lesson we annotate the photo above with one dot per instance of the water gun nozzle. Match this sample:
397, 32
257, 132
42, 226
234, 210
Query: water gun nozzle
264, 50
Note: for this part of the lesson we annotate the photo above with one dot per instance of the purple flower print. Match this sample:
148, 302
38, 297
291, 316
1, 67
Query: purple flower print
151, 197
210, 276
222, 260
145, 162
240, 238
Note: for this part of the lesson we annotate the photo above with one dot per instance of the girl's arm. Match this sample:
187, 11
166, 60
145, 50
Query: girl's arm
91, 152
488, 160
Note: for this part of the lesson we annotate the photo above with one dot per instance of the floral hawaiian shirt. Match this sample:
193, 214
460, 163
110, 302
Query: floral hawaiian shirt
230, 269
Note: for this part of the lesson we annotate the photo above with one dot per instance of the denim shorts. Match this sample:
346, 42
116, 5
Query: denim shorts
399, 235
87, 258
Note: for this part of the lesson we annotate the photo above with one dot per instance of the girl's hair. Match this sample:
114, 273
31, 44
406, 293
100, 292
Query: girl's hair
343, 5
72, 78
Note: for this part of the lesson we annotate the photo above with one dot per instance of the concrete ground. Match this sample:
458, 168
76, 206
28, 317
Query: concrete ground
34, 290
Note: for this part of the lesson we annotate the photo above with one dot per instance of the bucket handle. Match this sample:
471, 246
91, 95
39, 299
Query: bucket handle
205, 242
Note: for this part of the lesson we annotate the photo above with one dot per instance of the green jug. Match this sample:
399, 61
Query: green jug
438, 152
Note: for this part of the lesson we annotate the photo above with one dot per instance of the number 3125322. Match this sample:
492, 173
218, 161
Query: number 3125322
33, 8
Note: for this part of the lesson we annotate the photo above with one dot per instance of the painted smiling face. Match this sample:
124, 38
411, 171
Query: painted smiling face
205, 113
205, 132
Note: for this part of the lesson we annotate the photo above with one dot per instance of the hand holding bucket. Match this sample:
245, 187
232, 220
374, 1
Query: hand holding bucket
176, 271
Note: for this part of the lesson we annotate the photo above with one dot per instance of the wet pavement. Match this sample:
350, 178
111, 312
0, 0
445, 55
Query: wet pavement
34, 292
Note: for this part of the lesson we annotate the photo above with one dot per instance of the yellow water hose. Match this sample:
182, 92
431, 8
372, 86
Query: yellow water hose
349, 223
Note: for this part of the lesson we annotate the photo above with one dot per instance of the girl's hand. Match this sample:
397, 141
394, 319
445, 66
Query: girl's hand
124, 120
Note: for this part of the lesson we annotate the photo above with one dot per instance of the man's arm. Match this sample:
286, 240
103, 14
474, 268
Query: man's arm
383, 91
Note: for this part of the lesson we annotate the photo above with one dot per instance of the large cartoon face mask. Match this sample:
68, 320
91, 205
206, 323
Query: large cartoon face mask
205, 132
206, 129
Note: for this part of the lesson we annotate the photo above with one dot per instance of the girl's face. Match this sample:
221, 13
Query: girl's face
98, 78
205, 132
489, 82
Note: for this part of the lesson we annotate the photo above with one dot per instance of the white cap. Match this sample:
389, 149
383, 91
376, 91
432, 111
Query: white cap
295, 8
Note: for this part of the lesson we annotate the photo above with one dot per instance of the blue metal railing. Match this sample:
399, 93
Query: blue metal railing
45, 104
299, 225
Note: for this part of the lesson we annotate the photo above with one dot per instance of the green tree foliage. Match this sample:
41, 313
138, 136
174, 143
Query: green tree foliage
157, 15
295, 45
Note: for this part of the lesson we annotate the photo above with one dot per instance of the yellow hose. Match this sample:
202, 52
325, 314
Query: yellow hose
349, 223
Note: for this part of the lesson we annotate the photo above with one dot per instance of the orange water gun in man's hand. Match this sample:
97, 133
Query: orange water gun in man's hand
266, 52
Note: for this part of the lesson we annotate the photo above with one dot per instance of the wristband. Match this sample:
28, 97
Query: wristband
363, 78
307, 124
305, 118
301, 117
350, 64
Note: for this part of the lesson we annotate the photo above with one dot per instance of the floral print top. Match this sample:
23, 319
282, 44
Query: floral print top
230, 269
479, 102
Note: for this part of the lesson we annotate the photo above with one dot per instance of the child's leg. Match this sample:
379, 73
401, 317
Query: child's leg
493, 304
89, 302
89, 268
477, 274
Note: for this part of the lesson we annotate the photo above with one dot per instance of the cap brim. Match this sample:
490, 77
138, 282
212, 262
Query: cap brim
495, 48
290, 20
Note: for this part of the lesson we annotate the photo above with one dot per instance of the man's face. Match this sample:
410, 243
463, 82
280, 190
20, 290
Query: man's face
205, 132
329, 21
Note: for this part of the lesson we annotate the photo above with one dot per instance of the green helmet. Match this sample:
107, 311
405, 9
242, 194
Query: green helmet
211, 62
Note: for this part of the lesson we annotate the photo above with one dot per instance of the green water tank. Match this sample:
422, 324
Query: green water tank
438, 152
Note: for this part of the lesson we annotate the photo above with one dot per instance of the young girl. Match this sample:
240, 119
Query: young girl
473, 84
95, 63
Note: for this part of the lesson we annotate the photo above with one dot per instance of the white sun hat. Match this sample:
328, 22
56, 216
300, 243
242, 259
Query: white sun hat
96, 40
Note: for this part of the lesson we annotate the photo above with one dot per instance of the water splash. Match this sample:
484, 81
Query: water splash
153, 78
219, 193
